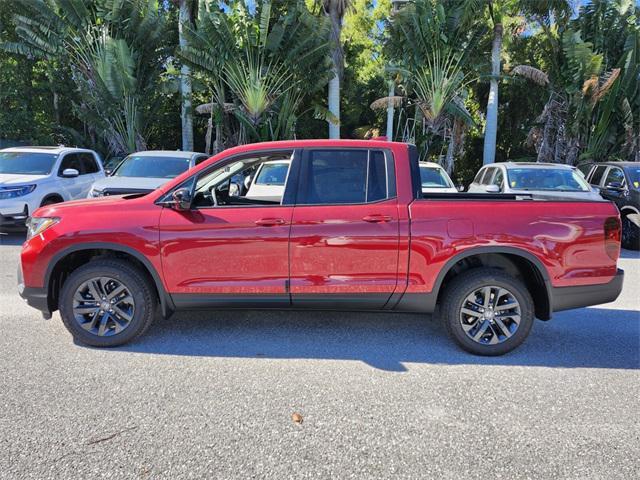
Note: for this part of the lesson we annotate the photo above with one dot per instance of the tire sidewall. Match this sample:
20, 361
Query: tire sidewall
136, 288
464, 288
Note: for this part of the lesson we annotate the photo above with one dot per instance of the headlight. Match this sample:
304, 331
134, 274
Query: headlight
96, 193
17, 191
37, 225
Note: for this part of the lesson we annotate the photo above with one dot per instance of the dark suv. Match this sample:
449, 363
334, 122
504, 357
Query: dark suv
620, 183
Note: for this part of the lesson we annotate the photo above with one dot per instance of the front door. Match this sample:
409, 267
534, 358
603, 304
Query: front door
228, 249
344, 230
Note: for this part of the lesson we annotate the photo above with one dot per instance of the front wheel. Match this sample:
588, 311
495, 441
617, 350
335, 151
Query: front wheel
487, 312
107, 303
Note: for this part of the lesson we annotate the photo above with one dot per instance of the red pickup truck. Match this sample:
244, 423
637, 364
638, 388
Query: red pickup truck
350, 231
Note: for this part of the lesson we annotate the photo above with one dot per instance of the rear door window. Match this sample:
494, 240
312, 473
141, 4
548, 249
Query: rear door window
486, 178
331, 177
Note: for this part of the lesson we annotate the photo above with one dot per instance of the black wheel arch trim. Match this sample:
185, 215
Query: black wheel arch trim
166, 303
410, 301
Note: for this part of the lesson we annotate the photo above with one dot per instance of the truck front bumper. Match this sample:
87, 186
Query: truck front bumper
566, 298
35, 297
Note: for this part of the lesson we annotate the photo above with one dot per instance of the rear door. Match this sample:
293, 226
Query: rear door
344, 230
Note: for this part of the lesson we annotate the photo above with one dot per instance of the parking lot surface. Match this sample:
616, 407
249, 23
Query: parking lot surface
212, 395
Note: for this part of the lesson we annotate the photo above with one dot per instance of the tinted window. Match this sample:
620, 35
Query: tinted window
344, 176
377, 177
596, 176
560, 179
272, 174
71, 160
24, 163
152, 167
89, 163
614, 175
201, 158
497, 179
486, 179
634, 177
479, 176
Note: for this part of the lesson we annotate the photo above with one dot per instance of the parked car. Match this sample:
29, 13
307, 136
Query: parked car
550, 179
268, 181
351, 231
110, 164
620, 183
143, 172
434, 179
31, 177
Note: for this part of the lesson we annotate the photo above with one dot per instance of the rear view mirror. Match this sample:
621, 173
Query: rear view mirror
182, 199
70, 173
492, 189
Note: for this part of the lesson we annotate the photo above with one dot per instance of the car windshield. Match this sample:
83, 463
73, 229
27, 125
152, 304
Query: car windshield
25, 163
558, 179
151, 167
634, 177
273, 174
433, 177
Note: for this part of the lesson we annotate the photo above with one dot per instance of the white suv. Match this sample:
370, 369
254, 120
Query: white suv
34, 176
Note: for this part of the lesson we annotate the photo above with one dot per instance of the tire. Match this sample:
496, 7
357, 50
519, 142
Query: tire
133, 308
498, 332
50, 201
630, 234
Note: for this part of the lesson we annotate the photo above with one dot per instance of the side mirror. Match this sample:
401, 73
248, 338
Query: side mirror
182, 199
70, 173
492, 189
617, 186
460, 188
107, 171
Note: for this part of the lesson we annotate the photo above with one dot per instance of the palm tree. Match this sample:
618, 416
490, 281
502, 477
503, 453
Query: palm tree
335, 11
264, 63
188, 10
116, 52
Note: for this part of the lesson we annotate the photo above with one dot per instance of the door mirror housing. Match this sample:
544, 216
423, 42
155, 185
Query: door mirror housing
70, 173
616, 186
181, 199
492, 189
460, 187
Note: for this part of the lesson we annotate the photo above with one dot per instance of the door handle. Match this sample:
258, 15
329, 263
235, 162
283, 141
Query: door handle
376, 218
270, 222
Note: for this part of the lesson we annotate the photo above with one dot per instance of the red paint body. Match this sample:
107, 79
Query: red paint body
307, 250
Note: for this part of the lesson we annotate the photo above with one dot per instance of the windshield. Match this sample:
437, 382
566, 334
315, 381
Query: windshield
634, 177
24, 163
559, 179
152, 167
433, 177
272, 174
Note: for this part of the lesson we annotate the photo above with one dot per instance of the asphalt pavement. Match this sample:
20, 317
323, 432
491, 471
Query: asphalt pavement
377, 396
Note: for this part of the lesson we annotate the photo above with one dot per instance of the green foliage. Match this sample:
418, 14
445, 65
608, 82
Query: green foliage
265, 64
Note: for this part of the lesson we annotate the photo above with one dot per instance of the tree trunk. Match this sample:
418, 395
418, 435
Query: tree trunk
186, 112
491, 128
338, 63
390, 111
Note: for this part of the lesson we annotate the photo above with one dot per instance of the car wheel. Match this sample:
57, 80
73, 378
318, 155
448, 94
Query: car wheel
487, 312
107, 303
50, 201
630, 234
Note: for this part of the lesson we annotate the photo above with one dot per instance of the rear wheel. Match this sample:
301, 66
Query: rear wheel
630, 234
107, 303
487, 312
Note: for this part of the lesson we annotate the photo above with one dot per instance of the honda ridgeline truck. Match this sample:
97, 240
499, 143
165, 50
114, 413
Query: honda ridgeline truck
351, 231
